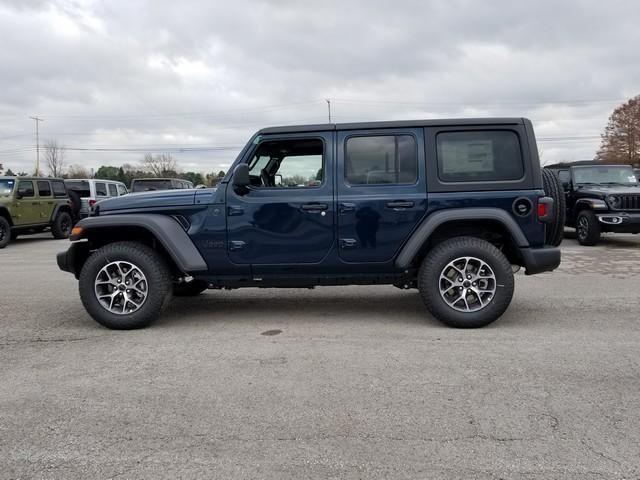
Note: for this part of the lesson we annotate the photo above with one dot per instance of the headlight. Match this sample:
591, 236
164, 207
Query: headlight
613, 201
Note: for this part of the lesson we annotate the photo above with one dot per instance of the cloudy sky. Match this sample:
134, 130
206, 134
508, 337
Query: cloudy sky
114, 79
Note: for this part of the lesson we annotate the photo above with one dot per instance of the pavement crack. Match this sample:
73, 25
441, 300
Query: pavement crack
600, 454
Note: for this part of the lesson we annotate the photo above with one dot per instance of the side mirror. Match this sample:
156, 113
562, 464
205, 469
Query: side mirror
241, 178
18, 196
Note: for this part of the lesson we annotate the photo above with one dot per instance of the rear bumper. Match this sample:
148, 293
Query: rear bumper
538, 260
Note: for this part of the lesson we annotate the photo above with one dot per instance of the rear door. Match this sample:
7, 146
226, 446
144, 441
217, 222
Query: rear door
381, 189
45, 199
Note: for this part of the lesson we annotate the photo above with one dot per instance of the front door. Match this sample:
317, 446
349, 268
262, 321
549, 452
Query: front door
382, 193
26, 211
286, 217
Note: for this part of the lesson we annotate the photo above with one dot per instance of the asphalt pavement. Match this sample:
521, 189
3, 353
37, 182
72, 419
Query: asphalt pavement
336, 382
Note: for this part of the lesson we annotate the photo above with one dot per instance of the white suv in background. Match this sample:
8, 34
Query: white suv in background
92, 190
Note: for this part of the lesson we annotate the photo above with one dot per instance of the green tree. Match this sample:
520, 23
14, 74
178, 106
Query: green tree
9, 173
621, 137
107, 173
194, 177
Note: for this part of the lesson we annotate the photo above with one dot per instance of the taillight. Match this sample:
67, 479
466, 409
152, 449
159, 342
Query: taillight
542, 210
91, 203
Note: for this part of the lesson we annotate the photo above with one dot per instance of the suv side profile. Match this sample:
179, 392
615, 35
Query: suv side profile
449, 207
600, 198
32, 205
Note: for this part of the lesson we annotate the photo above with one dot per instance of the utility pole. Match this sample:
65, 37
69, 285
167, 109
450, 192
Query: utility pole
37, 120
328, 100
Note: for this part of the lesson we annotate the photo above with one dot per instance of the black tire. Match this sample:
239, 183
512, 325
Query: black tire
553, 188
587, 228
158, 284
189, 289
429, 281
62, 224
5, 232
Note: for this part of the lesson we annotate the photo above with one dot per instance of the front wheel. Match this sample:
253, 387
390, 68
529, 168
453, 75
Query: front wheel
466, 282
5, 232
125, 285
587, 228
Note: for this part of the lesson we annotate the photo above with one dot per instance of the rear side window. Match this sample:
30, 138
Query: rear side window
479, 156
101, 190
375, 160
59, 190
113, 190
44, 189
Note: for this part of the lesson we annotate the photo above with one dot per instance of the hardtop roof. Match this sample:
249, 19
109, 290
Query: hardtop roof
467, 122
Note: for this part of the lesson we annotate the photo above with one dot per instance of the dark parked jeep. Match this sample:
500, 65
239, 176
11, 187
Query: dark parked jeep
600, 198
450, 207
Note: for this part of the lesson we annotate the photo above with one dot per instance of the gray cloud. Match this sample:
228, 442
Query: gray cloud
160, 75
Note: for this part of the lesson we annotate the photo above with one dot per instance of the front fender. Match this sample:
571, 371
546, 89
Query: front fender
165, 229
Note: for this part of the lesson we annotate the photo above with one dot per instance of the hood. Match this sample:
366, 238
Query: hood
153, 199
609, 190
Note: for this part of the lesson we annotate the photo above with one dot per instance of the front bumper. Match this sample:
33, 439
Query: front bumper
71, 259
620, 222
538, 260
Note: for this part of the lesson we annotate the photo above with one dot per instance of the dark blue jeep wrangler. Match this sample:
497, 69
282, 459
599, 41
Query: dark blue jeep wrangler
450, 207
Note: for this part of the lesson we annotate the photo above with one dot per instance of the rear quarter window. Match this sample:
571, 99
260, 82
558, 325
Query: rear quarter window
59, 189
479, 156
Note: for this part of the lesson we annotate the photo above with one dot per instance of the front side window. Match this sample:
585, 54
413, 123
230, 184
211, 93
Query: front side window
101, 189
44, 189
122, 190
288, 164
479, 156
25, 188
375, 160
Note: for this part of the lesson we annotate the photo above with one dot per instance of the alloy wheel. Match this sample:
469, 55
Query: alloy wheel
467, 284
121, 287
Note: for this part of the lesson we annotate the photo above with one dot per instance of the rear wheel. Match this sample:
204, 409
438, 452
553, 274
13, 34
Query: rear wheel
587, 228
62, 224
125, 285
5, 232
553, 188
466, 282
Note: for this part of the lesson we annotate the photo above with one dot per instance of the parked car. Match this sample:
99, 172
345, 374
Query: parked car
32, 205
89, 191
150, 184
636, 171
448, 207
600, 198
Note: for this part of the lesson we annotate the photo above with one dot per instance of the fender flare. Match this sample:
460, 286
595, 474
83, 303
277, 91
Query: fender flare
164, 228
433, 221
4, 212
56, 209
590, 203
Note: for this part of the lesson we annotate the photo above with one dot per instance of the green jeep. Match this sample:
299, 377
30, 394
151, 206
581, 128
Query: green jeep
32, 205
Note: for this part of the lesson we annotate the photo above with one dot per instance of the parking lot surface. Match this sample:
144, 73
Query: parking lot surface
336, 382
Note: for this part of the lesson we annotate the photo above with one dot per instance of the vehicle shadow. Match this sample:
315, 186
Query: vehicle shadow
405, 307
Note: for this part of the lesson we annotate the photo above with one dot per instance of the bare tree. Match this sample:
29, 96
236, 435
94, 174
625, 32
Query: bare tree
77, 171
621, 138
54, 157
161, 165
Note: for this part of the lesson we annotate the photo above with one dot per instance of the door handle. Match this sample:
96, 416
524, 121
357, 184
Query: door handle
347, 207
314, 207
347, 243
399, 204
235, 245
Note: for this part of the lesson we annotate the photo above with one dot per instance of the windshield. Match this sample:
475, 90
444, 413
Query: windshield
146, 185
6, 186
79, 186
614, 175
